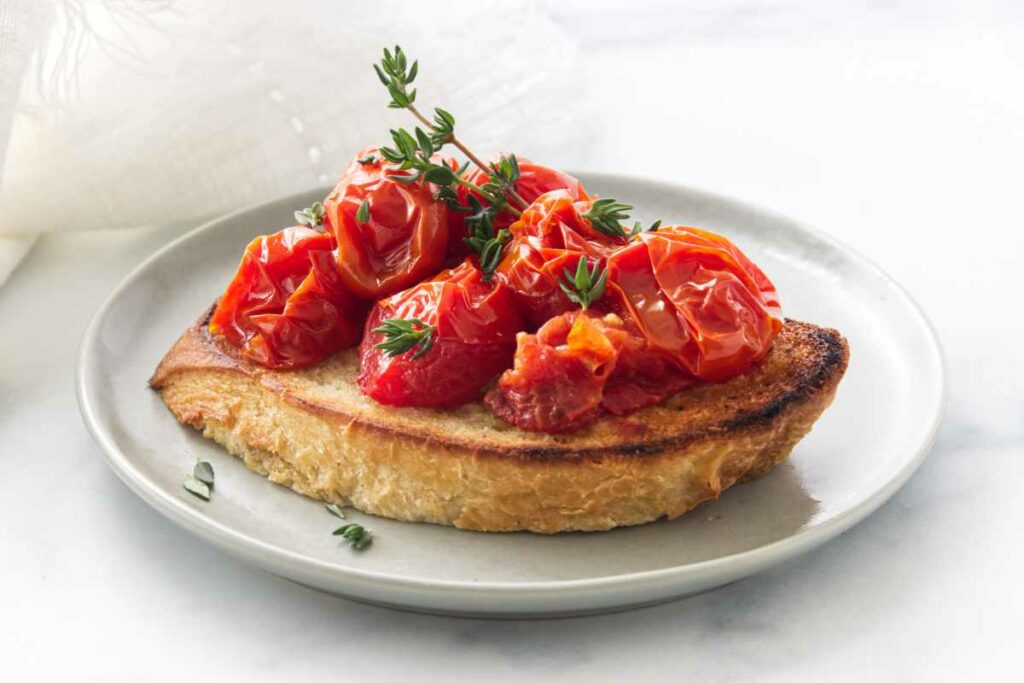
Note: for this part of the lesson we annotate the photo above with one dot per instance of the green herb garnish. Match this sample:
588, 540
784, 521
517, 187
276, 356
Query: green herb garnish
335, 510
312, 216
200, 482
443, 128
197, 488
585, 286
482, 238
606, 214
504, 175
357, 535
638, 228
395, 72
413, 152
203, 471
401, 336
363, 213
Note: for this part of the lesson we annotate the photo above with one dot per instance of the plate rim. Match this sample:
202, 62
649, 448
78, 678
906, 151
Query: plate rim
738, 564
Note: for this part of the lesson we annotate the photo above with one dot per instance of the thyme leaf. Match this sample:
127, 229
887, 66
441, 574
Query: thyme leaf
639, 228
312, 216
586, 285
357, 535
606, 214
397, 75
401, 336
481, 236
197, 488
203, 471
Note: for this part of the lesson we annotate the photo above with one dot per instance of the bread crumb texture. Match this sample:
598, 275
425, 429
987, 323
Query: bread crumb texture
312, 430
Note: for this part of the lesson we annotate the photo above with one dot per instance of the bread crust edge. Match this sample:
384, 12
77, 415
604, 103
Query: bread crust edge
331, 455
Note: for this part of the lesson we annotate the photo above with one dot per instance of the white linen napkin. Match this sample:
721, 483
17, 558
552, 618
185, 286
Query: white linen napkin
130, 114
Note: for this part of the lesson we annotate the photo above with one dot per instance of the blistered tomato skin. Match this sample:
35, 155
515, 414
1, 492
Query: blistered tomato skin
405, 239
642, 378
534, 180
688, 307
475, 327
681, 306
285, 307
557, 382
695, 298
551, 236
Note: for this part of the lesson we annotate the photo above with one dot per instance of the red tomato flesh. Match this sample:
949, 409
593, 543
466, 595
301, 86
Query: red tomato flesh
405, 238
475, 327
696, 298
285, 307
534, 180
551, 236
576, 366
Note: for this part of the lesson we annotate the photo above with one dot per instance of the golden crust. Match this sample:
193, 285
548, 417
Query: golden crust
313, 431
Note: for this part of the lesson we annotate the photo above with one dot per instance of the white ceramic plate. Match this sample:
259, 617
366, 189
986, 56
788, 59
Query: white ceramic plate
861, 451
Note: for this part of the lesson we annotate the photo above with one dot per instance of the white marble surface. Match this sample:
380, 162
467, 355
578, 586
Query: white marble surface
898, 127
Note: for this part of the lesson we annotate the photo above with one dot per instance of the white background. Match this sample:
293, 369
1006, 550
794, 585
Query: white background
896, 126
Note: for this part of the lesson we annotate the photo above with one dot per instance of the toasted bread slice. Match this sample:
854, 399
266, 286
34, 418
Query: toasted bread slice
312, 430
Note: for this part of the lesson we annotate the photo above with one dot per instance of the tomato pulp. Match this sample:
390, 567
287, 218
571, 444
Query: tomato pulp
549, 238
577, 365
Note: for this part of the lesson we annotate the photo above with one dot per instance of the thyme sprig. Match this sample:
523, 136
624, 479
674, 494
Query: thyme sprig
504, 175
413, 152
393, 74
482, 238
443, 128
586, 285
200, 482
401, 336
606, 215
357, 535
312, 216
396, 73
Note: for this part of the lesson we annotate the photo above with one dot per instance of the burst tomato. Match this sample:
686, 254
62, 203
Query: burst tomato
575, 366
534, 180
474, 330
285, 306
404, 239
696, 298
551, 236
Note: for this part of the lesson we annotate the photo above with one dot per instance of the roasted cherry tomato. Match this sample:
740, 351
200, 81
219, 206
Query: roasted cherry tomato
642, 378
473, 326
404, 238
577, 365
695, 297
551, 236
534, 180
285, 306
557, 381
